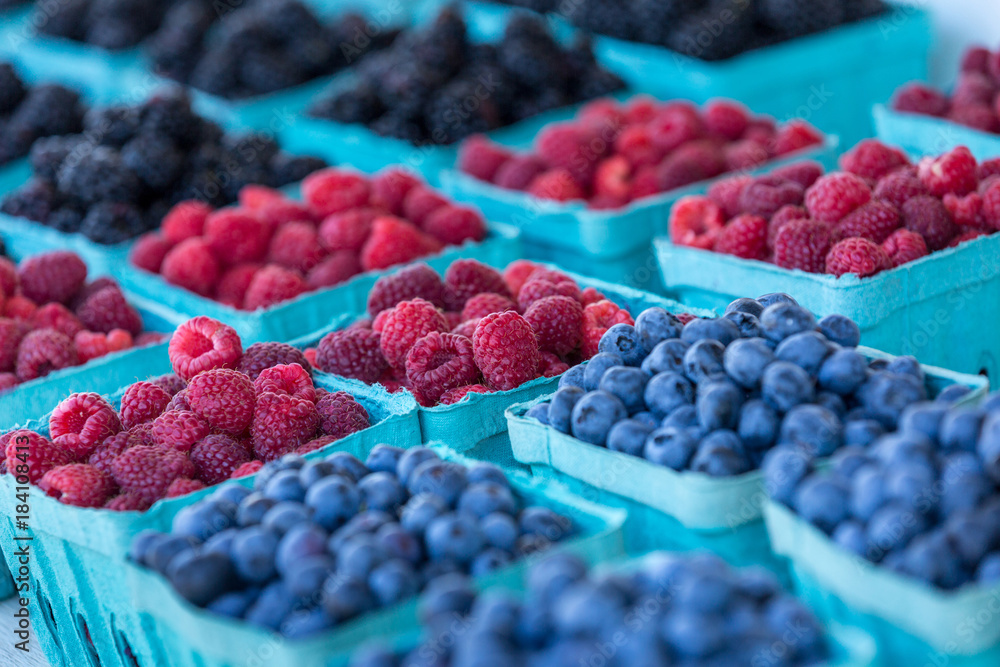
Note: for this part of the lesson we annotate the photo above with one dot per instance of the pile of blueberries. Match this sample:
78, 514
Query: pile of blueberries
715, 395
116, 176
320, 542
668, 609
923, 502
29, 112
434, 85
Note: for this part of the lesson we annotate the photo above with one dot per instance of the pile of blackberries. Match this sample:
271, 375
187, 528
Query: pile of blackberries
29, 112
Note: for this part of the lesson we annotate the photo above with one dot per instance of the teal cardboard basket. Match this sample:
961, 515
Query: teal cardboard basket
920, 135
940, 308
914, 623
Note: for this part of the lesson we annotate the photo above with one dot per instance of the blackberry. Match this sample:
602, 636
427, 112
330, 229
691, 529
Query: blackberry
653, 19
48, 153
541, 6
12, 89
442, 46
169, 113
357, 105
50, 109
218, 75
287, 169
65, 19
66, 219
99, 175
35, 200
398, 127
121, 24
703, 35
800, 17
449, 119
606, 17
112, 125
176, 47
529, 52
855, 10
154, 159
110, 222
265, 71
598, 83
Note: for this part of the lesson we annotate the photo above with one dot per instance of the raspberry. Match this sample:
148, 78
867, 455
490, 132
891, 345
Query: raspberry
141, 435
11, 333
234, 283
149, 251
347, 230
78, 484
281, 423
557, 185
56, 316
169, 383
972, 89
506, 350
635, 144
259, 356
190, 264
805, 172
457, 394
483, 304
43, 351
899, 186
466, 278
871, 160
335, 269
179, 402
143, 402
803, 245
454, 225
420, 202
8, 381
408, 322
202, 343
744, 236
105, 453
256, 197
296, 246
551, 366
695, 221
986, 169
107, 310
953, 172
184, 221
859, 256
127, 502
726, 193
340, 415
467, 328
247, 469
236, 235
81, 422
147, 472
696, 161
42, 455
413, 282
439, 362
566, 147
390, 187
965, 211
676, 124
9, 282
645, 183
991, 204
330, 191
90, 345
215, 457
271, 286
612, 180
183, 486
976, 59
873, 221
598, 317
282, 211
539, 288
517, 274
224, 398
315, 444
481, 157
178, 429
745, 154
928, 217
795, 135
118, 340
590, 295
52, 276
519, 172
557, 322
835, 195
967, 235
352, 353
289, 379
394, 241
726, 118
19, 308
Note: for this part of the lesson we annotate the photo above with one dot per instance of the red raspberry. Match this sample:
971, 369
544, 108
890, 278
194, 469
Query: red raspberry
9, 282
483, 304
976, 59
56, 316
991, 203
612, 181
726, 193
551, 366
169, 383
190, 264
352, 353
127, 502
805, 172
149, 251
953, 172
256, 197
107, 310
408, 322
234, 283
183, 486
457, 394
281, 423
517, 273
420, 202
803, 245
19, 308
236, 235
289, 379
43, 351
107, 451
147, 472
119, 339
247, 469
273, 285
645, 182
977, 116
347, 230
11, 333
330, 191
590, 295
557, 184
467, 328
184, 221
696, 161
32, 457
90, 345
143, 402
179, 430
765, 196
635, 144
539, 288
340, 415
439, 362
481, 157
282, 211
986, 169
744, 155
598, 317
744, 236
904, 246
557, 322
8, 381
871, 160
315, 444
179, 402
928, 217
453, 319
859, 256
796, 135
296, 246
203, 343
417, 281
215, 457
519, 172
390, 187
259, 356
466, 278
224, 398
874, 221
967, 235
973, 88
78, 484
965, 211
506, 350
835, 195
394, 241
899, 186
337, 268
454, 225
52, 276
726, 118
676, 124
695, 221
570, 148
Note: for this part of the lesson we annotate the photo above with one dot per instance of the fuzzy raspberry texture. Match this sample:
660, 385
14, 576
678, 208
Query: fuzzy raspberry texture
352, 353
557, 322
874, 221
696, 222
81, 422
551, 366
803, 245
290, 379
859, 256
744, 236
78, 484
951, 173
928, 216
341, 415
506, 350
179, 430
598, 317
405, 324
31, 455
107, 309
439, 362
128, 502
281, 423
413, 282
147, 472
224, 398
247, 469
111, 448
143, 402
395, 241
53, 276
457, 394
215, 457
542, 285
465, 278
259, 356
871, 160
483, 304
183, 486
272, 285
834, 196
766, 195
202, 343
56, 316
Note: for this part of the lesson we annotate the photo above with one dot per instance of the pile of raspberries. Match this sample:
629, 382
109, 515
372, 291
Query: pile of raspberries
613, 153
269, 248
476, 331
221, 414
881, 211
52, 318
975, 100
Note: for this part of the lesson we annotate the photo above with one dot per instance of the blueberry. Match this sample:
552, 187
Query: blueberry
970, 536
254, 551
561, 407
500, 530
454, 537
398, 543
442, 478
549, 578
420, 510
655, 325
862, 432
272, 606
719, 405
846, 461
666, 392
719, 329
345, 597
666, 356
539, 412
964, 484
784, 469
952, 393
221, 542
931, 559
670, 447
745, 361
782, 320
785, 385
161, 552
233, 493
745, 305
234, 604
747, 324
720, 454
306, 575
851, 536
813, 428
959, 429
299, 542
758, 424
911, 484
988, 571
841, 330
545, 523
629, 436
891, 527
285, 485
573, 377
446, 598
486, 472
775, 297
822, 501
787, 612
359, 555
200, 577
628, 384
304, 623
693, 635
382, 491
587, 609
703, 360
384, 458
489, 560
924, 418
412, 458
393, 581
647, 418
365, 523
594, 415
483, 498
988, 446
684, 417
843, 372
807, 350
885, 395
623, 340
348, 465
315, 470
597, 366
253, 508
333, 501
991, 403
906, 366
204, 519
142, 544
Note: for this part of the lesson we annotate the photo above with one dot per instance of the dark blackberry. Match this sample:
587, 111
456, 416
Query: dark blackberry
598, 83
703, 35
64, 19
48, 153
288, 21
176, 46
111, 125
351, 41
169, 113
12, 89
121, 24
154, 159
532, 56
110, 222
442, 46
399, 127
66, 219
218, 75
800, 17
266, 71
287, 168
451, 118
357, 105
855, 10
50, 109
16, 140
407, 88
35, 200
535, 5
653, 19
251, 148
607, 17
99, 175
